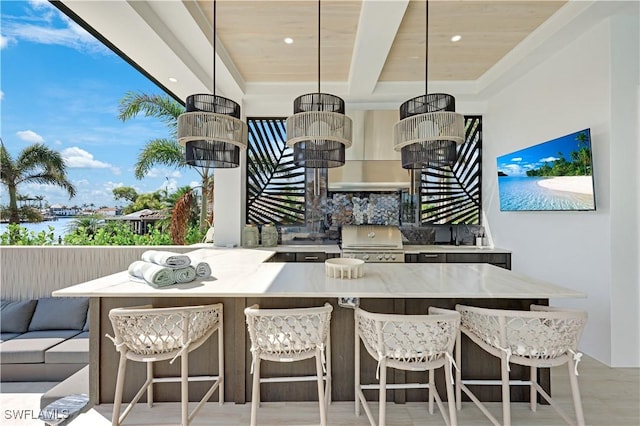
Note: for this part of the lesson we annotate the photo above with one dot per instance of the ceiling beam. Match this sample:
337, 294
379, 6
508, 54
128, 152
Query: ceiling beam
377, 27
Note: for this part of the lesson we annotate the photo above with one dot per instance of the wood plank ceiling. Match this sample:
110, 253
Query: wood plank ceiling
252, 33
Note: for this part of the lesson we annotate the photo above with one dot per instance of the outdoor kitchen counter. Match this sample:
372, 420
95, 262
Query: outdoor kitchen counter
242, 277
244, 273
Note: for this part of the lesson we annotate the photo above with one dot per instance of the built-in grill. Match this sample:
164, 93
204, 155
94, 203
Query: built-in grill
373, 243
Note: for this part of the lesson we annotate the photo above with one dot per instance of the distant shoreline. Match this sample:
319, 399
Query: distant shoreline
576, 184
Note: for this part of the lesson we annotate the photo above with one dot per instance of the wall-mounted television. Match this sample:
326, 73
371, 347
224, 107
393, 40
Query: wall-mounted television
553, 175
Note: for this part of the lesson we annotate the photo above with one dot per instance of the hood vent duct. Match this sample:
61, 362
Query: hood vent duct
371, 163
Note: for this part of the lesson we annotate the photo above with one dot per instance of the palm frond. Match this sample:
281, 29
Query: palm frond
162, 107
166, 152
39, 156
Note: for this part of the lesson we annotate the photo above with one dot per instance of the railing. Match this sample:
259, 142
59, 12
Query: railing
30, 272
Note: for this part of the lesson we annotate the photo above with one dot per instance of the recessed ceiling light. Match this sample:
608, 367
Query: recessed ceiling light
288, 40
456, 38
173, 79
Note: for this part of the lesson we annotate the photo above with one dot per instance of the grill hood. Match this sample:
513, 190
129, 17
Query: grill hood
371, 163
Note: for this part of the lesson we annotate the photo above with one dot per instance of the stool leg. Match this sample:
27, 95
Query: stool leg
184, 387
451, 403
150, 387
221, 363
356, 376
117, 399
533, 397
382, 409
575, 391
458, 372
321, 400
432, 389
327, 357
255, 393
506, 398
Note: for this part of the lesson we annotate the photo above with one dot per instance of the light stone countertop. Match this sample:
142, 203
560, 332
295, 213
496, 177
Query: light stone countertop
242, 273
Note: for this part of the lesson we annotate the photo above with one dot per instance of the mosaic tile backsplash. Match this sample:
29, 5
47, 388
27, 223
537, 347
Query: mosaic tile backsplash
363, 208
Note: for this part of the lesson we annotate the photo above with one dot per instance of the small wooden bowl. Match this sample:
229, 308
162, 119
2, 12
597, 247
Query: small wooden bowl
343, 267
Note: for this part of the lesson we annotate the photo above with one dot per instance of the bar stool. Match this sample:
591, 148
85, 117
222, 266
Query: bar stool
146, 334
287, 335
411, 343
541, 338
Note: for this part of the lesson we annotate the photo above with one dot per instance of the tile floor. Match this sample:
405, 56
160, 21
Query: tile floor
610, 396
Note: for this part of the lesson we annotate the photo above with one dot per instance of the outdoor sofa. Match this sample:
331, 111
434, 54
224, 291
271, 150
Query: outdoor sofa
43, 340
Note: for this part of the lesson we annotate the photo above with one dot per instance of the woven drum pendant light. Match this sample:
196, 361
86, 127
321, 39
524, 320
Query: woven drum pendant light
318, 131
211, 130
429, 129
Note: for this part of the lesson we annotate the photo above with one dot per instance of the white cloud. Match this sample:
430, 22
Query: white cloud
548, 159
30, 136
109, 186
77, 158
163, 173
516, 159
67, 33
170, 185
194, 184
1, 95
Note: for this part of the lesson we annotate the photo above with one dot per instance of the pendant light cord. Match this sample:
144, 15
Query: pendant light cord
426, 46
214, 48
318, 46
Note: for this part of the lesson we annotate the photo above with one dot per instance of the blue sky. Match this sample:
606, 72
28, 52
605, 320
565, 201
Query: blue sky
60, 86
517, 163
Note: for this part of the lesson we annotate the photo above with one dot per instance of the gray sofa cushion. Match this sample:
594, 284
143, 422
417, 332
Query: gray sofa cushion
60, 313
15, 316
8, 336
29, 348
74, 350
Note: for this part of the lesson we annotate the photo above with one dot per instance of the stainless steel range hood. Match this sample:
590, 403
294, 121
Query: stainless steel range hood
369, 175
371, 163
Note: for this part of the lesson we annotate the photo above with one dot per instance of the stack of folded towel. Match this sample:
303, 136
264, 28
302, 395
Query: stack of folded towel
163, 268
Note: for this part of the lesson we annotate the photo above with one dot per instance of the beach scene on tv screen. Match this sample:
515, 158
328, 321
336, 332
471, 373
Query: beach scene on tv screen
553, 175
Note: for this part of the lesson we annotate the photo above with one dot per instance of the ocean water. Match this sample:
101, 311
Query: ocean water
524, 193
59, 226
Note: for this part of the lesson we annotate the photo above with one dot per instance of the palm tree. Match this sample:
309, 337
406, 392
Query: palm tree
40, 199
36, 164
165, 151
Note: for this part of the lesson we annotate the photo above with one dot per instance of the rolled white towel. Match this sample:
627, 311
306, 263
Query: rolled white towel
203, 270
153, 274
185, 275
166, 258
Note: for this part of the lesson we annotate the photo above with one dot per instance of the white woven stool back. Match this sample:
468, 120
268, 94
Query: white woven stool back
154, 331
542, 333
408, 341
287, 334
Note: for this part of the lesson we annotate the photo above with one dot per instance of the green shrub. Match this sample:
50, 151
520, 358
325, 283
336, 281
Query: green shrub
17, 235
